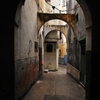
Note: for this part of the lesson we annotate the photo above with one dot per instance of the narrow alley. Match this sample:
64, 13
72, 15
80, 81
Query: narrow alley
56, 85
48, 33
40, 34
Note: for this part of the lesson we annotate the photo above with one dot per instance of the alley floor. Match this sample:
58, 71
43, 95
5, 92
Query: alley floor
56, 85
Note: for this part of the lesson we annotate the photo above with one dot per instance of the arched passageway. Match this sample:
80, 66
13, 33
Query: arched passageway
86, 48
8, 29
26, 54
53, 58
68, 18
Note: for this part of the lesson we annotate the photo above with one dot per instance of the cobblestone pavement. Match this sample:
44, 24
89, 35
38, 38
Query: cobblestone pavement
56, 85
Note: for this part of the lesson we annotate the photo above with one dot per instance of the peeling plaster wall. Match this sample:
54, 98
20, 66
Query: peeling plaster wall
26, 60
80, 25
75, 49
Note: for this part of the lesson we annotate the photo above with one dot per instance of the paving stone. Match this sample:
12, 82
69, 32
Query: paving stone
56, 85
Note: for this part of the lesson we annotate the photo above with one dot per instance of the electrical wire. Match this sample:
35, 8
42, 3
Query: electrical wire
59, 9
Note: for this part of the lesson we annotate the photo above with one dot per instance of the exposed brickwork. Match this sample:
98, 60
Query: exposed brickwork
27, 73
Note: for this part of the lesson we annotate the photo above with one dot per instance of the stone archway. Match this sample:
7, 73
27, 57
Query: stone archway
68, 18
62, 28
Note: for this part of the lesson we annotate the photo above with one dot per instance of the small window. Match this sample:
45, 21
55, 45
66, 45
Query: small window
49, 48
36, 47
